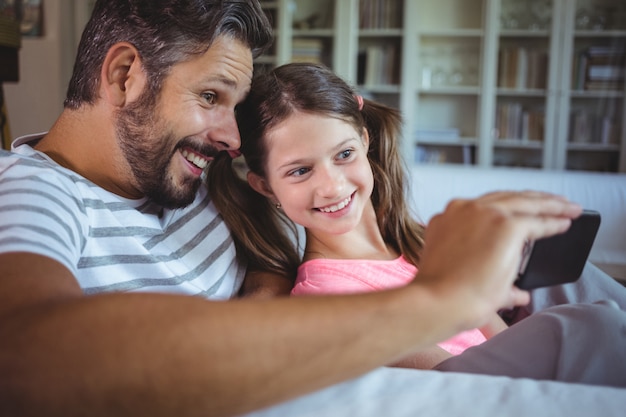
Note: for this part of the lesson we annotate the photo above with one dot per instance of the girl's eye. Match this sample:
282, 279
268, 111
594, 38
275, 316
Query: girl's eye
209, 97
298, 172
345, 154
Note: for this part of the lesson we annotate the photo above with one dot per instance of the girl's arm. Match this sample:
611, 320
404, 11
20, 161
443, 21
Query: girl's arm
426, 358
493, 327
259, 284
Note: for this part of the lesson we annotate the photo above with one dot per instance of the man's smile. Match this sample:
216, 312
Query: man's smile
198, 160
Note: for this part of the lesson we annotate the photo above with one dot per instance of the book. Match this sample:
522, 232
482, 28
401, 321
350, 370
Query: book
380, 14
580, 127
607, 85
379, 65
522, 68
600, 67
307, 50
606, 72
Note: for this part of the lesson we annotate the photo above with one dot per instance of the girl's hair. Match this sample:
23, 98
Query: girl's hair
164, 32
257, 227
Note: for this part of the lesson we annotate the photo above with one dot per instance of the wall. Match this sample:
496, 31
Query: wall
36, 100
433, 186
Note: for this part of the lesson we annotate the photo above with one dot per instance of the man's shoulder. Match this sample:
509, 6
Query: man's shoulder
23, 154
25, 163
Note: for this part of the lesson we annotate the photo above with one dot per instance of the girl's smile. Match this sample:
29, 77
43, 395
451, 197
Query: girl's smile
336, 207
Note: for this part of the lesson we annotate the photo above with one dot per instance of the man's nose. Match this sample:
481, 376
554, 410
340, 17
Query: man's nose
226, 134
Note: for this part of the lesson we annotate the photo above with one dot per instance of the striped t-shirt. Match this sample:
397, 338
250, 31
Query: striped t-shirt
108, 242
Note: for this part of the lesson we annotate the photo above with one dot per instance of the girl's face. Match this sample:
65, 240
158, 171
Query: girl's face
317, 169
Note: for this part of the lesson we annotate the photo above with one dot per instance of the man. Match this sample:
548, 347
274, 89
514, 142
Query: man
110, 249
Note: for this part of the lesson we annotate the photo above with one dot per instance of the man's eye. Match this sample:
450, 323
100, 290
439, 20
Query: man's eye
209, 97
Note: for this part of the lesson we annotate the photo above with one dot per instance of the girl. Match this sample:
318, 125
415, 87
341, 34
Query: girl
323, 157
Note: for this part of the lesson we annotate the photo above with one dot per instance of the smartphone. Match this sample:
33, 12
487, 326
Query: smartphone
559, 259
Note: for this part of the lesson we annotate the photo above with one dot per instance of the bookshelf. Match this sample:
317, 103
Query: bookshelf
304, 31
533, 83
379, 50
528, 40
276, 11
593, 127
550, 87
361, 40
443, 65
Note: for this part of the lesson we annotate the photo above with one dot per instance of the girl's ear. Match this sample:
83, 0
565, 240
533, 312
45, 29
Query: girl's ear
259, 185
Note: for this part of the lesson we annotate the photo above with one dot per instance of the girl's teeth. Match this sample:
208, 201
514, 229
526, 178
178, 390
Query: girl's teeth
336, 207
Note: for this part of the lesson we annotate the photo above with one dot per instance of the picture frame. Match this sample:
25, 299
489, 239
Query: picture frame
28, 12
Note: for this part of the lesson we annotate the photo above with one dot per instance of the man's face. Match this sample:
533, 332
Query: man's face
168, 141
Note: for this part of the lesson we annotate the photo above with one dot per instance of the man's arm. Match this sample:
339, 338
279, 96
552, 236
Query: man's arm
128, 354
62, 353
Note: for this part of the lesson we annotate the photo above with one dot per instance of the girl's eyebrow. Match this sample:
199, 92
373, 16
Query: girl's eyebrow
302, 160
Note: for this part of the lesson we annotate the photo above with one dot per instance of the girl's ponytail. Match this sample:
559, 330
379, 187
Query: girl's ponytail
265, 240
389, 197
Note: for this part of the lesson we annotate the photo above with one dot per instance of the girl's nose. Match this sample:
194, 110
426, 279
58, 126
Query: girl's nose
330, 182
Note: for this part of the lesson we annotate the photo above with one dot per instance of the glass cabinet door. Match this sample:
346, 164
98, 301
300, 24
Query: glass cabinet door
313, 33
527, 39
380, 36
595, 138
450, 42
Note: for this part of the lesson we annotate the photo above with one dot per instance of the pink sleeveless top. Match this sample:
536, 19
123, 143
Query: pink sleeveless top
343, 276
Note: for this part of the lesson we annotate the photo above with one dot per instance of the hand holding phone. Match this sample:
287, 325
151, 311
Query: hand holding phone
561, 258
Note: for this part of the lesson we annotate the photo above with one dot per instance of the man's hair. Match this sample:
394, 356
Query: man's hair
165, 32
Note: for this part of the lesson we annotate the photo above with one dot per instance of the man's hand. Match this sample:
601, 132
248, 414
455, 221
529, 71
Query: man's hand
473, 249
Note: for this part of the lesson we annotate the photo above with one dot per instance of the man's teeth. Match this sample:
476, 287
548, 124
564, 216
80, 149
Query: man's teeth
198, 161
336, 207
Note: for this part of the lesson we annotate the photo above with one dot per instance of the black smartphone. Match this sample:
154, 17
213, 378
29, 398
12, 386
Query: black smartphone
560, 258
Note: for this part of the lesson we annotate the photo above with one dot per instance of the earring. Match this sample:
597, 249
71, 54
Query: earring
278, 206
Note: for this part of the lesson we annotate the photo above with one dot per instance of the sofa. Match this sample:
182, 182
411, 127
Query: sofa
457, 394
433, 186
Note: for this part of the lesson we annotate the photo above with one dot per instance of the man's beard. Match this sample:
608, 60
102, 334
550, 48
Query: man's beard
149, 155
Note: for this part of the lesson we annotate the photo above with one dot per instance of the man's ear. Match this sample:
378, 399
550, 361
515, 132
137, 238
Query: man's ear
122, 76
259, 185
